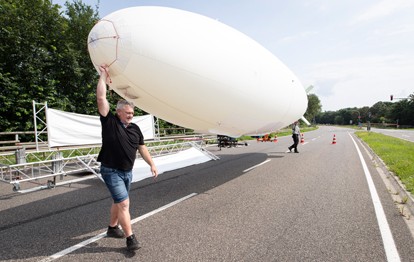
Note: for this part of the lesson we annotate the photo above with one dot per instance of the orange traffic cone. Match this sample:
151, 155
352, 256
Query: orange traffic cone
334, 140
302, 140
275, 139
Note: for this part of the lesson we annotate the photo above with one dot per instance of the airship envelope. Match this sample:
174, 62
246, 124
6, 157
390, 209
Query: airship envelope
195, 71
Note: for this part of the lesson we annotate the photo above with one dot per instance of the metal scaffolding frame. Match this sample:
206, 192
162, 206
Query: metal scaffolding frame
43, 173
42, 167
36, 117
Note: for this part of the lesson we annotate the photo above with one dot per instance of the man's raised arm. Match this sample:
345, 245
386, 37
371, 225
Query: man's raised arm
103, 105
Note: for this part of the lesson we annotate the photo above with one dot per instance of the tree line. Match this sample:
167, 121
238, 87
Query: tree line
399, 113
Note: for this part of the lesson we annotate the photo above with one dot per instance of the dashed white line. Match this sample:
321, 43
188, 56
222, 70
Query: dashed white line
102, 235
253, 167
387, 239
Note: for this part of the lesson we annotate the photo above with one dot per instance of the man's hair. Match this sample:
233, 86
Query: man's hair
122, 103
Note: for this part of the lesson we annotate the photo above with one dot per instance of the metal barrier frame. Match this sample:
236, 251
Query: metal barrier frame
54, 165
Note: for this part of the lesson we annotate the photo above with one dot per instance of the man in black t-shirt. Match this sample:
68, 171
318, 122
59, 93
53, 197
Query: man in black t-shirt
120, 141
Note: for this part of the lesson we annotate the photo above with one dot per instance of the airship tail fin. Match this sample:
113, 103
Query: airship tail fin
306, 121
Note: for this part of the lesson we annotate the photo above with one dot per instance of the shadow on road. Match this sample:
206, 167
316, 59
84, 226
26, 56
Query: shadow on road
44, 227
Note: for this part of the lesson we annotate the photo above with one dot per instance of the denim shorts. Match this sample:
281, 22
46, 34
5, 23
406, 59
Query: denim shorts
118, 182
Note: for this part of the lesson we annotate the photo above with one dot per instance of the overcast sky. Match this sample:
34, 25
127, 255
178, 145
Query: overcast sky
354, 52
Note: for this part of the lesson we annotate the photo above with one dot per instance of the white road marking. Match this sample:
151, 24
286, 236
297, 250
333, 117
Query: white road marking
102, 235
387, 239
253, 167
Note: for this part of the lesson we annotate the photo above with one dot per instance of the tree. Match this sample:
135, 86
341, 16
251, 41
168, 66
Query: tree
75, 73
327, 117
380, 112
29, 32
339, 120
44, 57
403, 111
314, 107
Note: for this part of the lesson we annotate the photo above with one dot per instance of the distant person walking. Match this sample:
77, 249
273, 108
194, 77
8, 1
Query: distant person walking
295, 136
120, 141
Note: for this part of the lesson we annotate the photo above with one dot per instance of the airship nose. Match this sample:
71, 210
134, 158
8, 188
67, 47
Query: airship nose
102, 42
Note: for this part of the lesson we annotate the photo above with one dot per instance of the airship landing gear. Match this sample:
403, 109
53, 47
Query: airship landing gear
226, 141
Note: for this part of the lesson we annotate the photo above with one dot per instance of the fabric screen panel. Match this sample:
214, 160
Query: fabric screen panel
167, 163
71, 129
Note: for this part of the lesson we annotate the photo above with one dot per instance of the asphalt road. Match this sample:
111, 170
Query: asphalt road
398, 133
257, 203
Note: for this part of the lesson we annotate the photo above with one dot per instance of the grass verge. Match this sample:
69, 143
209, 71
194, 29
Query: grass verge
396, 153
282, 132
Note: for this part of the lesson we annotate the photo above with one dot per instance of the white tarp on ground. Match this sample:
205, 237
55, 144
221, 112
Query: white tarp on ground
70, 129
166, 163
188, 157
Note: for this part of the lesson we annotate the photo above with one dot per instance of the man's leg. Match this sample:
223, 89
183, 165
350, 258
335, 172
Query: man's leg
296, 143
125, 221
120, 213
114, 215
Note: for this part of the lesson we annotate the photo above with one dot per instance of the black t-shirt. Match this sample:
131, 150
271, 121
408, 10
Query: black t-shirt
119, 143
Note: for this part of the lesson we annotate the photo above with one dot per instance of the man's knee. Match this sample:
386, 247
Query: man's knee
123, 204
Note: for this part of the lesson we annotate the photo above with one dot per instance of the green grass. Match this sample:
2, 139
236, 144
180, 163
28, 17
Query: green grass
288, 132
396, 153
282, 132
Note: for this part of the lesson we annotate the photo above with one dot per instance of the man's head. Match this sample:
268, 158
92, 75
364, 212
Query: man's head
125, 111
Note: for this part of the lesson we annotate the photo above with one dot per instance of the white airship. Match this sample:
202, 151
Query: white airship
196, 72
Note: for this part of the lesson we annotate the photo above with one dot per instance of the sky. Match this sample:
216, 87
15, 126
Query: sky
354, 53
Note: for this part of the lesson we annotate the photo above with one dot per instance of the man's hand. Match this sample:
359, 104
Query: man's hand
143, 150
104, 71
154, 171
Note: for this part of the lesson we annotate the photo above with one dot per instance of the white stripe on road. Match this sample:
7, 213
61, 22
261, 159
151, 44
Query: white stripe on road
102, 235
387, 239
253, 167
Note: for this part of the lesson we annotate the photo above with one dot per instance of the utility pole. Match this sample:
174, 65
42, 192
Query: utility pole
369, 122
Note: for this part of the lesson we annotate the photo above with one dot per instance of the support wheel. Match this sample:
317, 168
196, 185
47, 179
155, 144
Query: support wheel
50, 184
16, 187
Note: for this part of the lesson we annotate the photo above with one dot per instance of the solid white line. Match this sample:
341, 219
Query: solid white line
387, 239
102, 235
253, 167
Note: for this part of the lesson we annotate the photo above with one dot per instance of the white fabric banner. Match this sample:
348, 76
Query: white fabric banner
71, 129
188, 157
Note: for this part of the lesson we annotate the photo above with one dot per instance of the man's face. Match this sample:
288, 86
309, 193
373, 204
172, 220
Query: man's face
125, 114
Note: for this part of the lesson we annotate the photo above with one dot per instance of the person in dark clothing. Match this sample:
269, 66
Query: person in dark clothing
120, 141
295, 136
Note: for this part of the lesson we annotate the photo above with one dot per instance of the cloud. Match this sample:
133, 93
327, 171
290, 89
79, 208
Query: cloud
383, 9
400, 30
298, 37
360, 81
